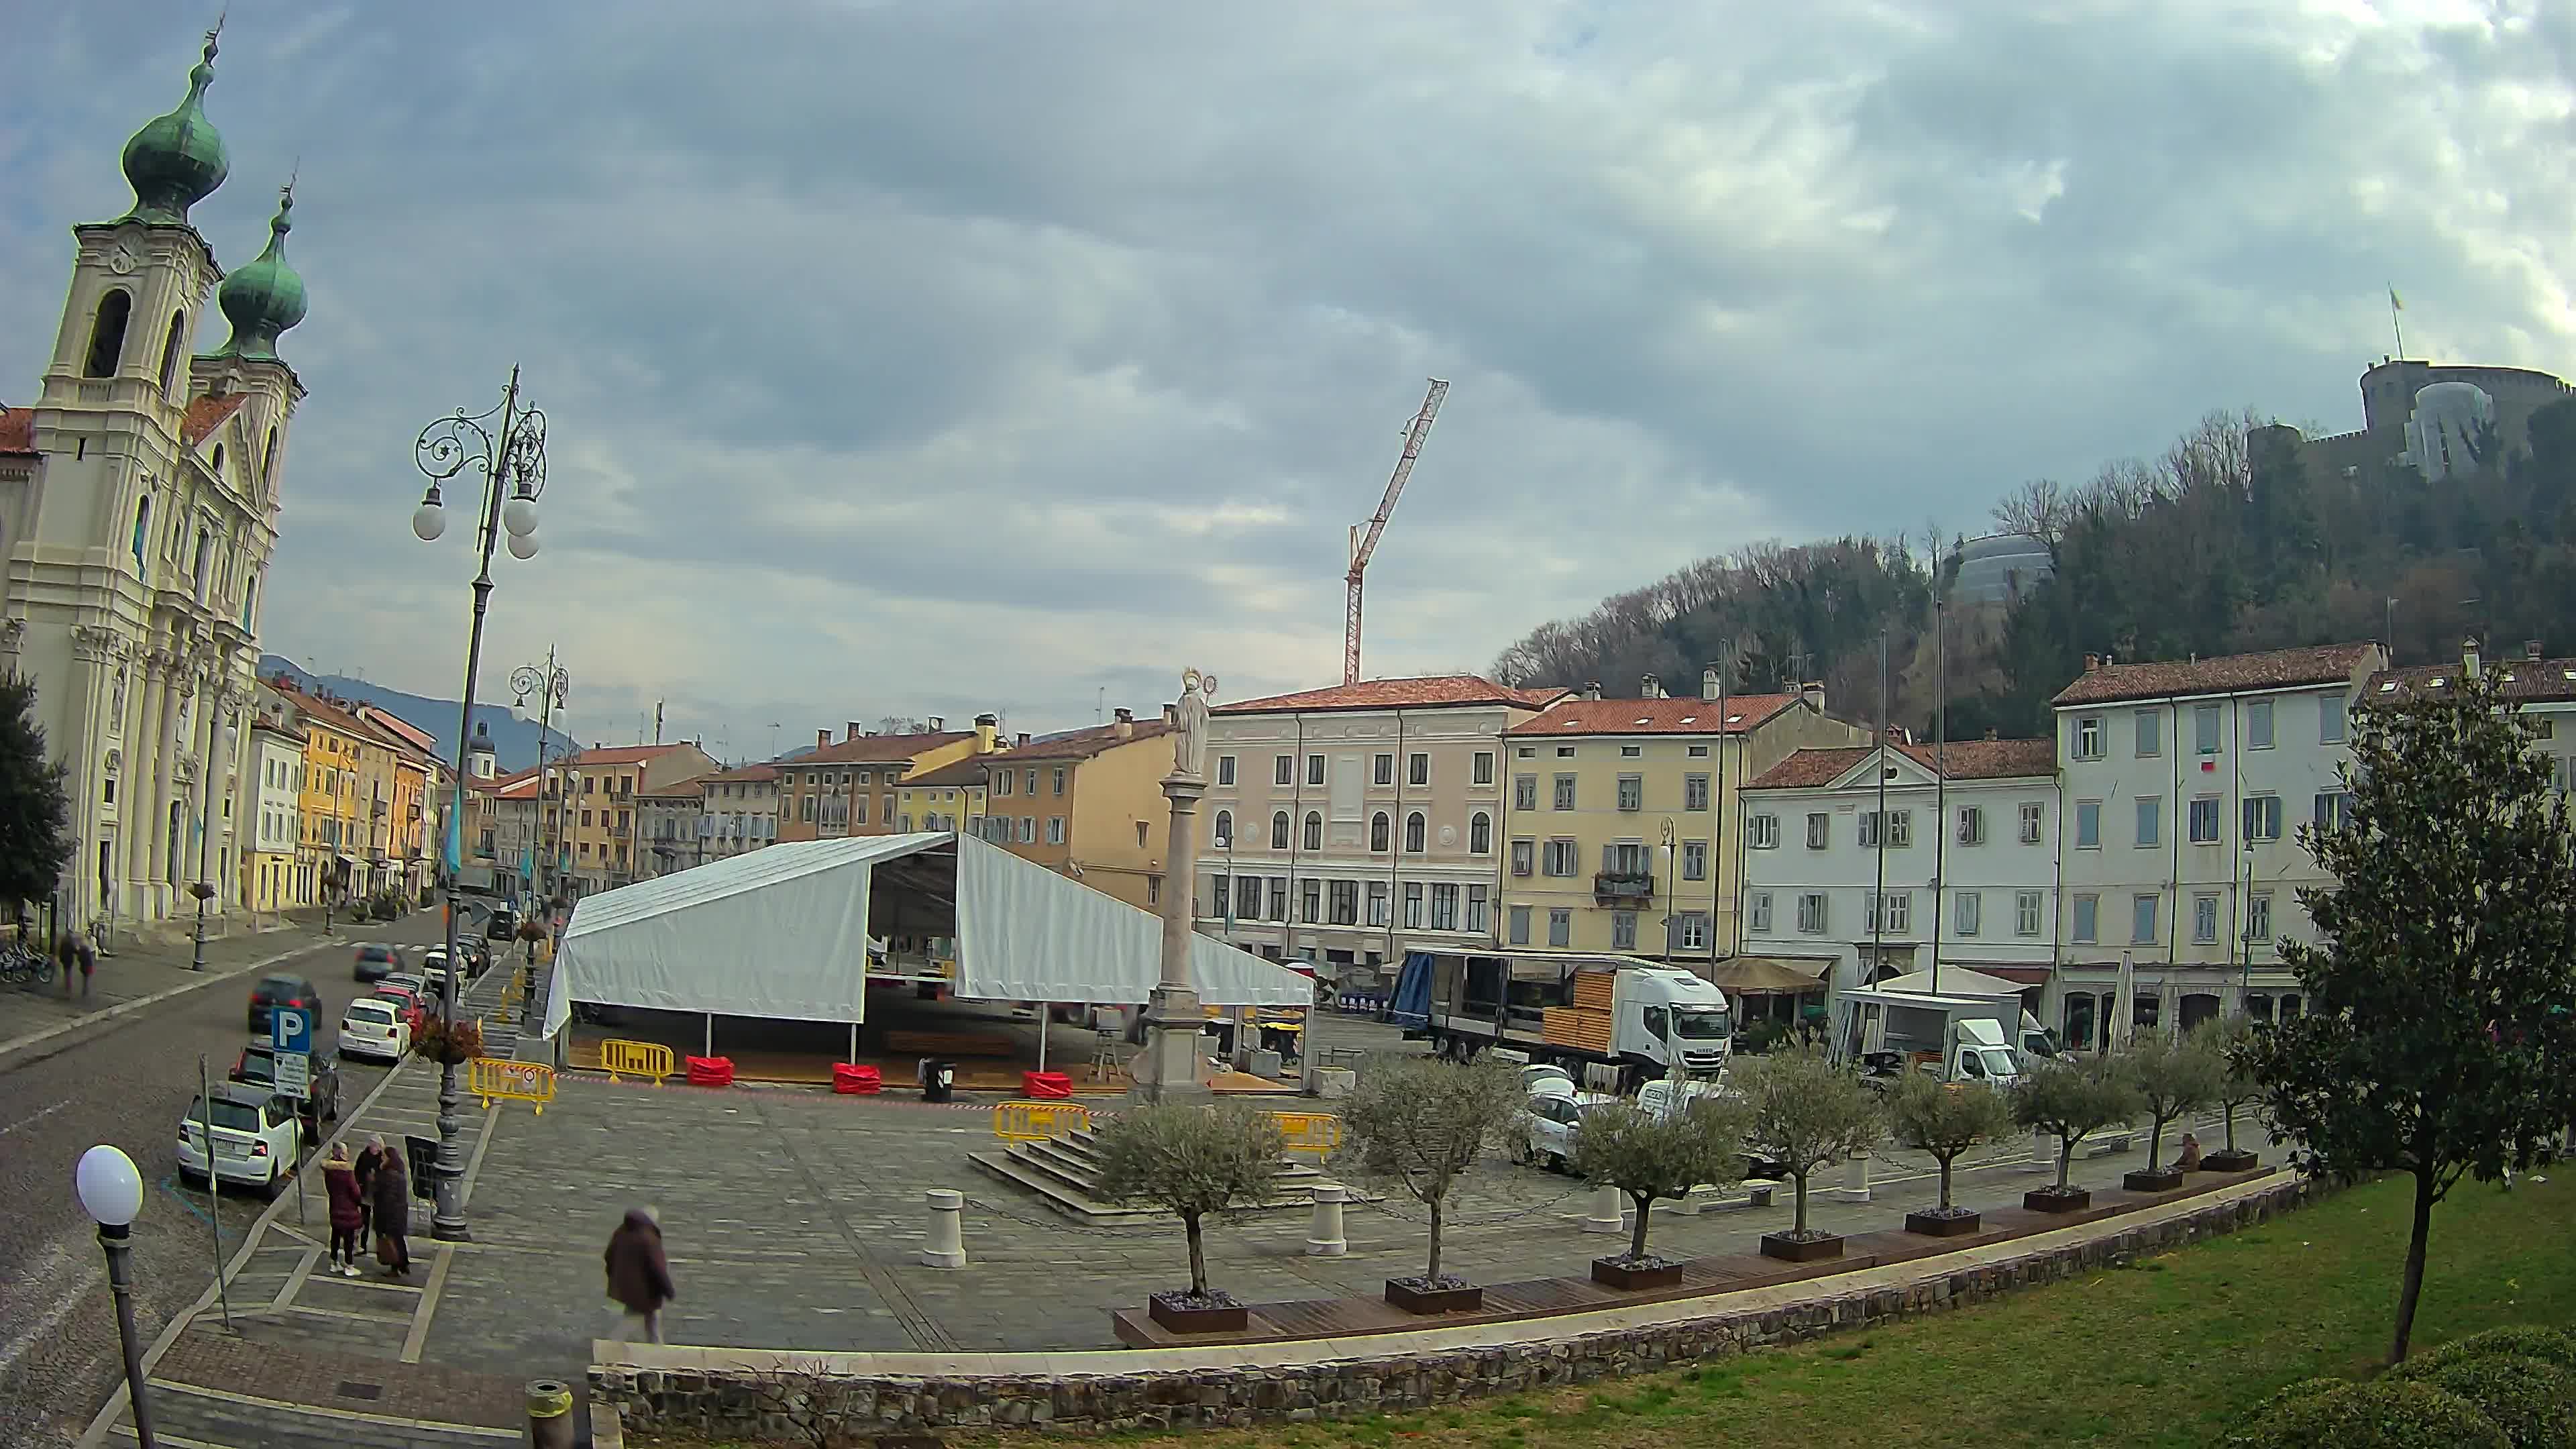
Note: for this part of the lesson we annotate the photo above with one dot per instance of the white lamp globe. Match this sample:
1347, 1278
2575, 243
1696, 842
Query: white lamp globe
523, 545
519, 516
429, 520
1663, 857
111, 1191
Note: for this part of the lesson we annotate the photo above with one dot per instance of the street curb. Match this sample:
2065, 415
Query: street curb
11, 1051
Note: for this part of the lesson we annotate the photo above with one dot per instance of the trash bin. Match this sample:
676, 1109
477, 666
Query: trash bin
938, 1079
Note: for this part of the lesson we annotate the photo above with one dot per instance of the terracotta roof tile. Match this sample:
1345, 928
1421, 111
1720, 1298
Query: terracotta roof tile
2271, 669
872, 749
207, 414
1575, 715
2526, 680
18, 431
620, 754
1083, 744
1422, 693
1961, 759
741, 774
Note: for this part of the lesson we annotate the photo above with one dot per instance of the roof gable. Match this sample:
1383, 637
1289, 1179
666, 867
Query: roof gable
207, 414
1838, 765
1425, 692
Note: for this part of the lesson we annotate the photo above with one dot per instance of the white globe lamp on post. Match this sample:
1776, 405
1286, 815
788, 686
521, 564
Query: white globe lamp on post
111, 1192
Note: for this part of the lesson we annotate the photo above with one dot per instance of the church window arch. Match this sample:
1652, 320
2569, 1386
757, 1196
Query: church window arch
170, 350
219, 460
107, 333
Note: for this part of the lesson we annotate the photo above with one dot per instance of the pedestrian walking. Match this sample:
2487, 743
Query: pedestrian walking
75, 952
391, 1199
348, 1211
639, 1277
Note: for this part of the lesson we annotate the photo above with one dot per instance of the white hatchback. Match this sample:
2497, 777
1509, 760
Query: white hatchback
258, 1138
374, 1028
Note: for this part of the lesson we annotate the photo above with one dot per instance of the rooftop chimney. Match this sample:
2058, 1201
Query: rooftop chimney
1650, 687
823, 737
851, 730
2531, 650
1023, 740
1126, 725
2092, 663
938, 724
2469, 656
1592, 690
1813, 691
1709, 687
1171, 714
987, 726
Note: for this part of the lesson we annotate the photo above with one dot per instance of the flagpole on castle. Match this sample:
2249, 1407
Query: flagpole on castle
2394, 307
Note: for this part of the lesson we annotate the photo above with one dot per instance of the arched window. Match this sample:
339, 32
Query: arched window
1413, 833
170, 354
219, 460
1314, 830
1480, 834
1378, 832
107, 334
142, 525
1279, 831
268, 460
1224, 828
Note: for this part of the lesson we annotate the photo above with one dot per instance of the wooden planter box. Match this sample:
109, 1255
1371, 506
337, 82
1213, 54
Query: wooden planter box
1434, 1300
2238, 1161
1171, 1311
2163, 1179
1800, 1250
1935, 1225
2050, 1200
1611, 1273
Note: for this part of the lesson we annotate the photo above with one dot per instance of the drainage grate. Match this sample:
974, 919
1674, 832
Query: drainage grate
352, 1389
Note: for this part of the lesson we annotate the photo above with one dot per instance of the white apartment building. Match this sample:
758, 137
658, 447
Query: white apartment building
740, 810
274, 802
2184, 785
1344, 826
1960, 870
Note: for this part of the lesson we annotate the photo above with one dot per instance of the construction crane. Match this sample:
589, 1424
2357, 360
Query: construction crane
1363, 547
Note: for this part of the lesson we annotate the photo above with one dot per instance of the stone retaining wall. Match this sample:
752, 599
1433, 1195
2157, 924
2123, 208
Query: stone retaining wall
720, 1401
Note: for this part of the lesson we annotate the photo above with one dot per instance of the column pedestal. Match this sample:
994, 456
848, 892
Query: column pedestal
1172, 1068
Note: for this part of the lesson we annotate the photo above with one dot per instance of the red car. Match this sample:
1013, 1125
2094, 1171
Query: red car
405, 1001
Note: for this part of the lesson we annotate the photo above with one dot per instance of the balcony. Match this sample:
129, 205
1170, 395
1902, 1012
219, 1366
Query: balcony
1614, 887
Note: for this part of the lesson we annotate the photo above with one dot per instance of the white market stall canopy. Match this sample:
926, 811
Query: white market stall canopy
783, 932
1955, 981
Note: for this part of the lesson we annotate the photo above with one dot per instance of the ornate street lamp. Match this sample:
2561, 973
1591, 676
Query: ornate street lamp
507, 446
553, 685
111, 1192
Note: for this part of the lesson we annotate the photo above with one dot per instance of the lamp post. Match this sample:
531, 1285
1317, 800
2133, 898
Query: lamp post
552, 685
507, 445
202, 889
111, 1192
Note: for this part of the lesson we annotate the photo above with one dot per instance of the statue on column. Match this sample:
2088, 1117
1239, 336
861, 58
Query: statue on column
1189, 735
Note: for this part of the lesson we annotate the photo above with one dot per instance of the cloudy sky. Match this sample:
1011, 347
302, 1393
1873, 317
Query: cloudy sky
931, 356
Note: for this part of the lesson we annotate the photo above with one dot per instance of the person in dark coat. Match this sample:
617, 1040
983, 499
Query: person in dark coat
391, 1199
348, 1211
370, 1158
639, 1277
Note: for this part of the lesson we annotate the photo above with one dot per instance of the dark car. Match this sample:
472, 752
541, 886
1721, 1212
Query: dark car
376, 962
503, 925
274, 991
257, 1065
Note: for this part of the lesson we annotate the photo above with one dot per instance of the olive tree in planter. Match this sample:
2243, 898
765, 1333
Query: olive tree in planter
2074, 1100
1190, 1162
2171, 1078
1651, 1155
1420, 1124
2237, 1089
1804, 1113
1945, 1119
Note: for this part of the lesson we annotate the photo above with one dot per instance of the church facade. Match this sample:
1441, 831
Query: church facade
139, 500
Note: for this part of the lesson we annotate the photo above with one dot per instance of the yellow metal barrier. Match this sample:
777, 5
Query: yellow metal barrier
649, 1059
491, 1079
1317, 1132
1038, 1121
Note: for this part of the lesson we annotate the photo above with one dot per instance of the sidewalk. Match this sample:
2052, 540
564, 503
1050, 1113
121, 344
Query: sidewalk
311, 1360
144, 971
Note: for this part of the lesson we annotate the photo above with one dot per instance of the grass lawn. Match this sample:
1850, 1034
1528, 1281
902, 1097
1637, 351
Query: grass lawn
2159, 1355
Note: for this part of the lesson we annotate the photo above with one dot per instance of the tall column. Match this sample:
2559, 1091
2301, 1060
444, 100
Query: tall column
144, 810
1168, 1070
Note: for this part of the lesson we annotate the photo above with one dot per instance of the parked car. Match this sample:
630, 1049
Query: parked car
504, 924
276, 991
404, 1000
1552, 1124
407, 980
433, 980
378, 961
257, 1065
258, 1137
1546, 1079
375, 1027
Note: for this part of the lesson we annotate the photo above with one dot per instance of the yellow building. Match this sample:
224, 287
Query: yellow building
849, 788
1597, 787
597, 817
331, 841
950, 797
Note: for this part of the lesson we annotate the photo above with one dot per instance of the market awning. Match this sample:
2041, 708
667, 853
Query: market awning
1955, 981
1746, 975
783, 932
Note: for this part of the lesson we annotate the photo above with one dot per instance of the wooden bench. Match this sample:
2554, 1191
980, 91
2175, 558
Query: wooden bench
948, 1044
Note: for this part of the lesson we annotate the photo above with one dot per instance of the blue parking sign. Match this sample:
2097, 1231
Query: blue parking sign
290, 1029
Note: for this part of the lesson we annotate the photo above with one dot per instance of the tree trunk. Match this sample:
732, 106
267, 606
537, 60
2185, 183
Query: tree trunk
2156, 1144
1637, 1239
2065, 1161
2412, 1287
1800, 1179
1945, 1182
1198, 1254
1431, 1275
2227, 1112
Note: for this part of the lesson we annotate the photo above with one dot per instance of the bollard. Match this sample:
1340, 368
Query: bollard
1324, 1237
550, 1414
1855, 1186
947, 1247
1609, 1212
2043, 1151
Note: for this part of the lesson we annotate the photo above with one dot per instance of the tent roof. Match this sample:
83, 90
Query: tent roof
783, 932
1768, 973
1955, 981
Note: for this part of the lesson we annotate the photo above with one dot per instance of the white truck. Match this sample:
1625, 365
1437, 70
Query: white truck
1634, 1019
1956, 1037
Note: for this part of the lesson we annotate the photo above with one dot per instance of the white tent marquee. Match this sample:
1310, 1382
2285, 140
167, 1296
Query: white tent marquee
783, 932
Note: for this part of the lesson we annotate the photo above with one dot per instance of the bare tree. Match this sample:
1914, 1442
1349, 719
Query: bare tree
802, 1397
2039, 508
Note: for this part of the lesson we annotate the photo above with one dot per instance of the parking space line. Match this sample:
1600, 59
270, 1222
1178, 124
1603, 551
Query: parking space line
428, 1308
295, 1281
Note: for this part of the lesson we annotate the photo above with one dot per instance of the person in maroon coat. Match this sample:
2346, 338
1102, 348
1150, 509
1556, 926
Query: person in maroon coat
348, 1211
390, 1198
639, 1277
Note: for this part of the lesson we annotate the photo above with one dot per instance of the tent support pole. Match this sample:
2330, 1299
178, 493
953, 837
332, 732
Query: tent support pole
711, 1034
1042, 1036
854, 1041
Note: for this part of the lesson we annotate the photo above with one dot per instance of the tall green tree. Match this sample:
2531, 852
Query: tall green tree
2438, 1041
35, 815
